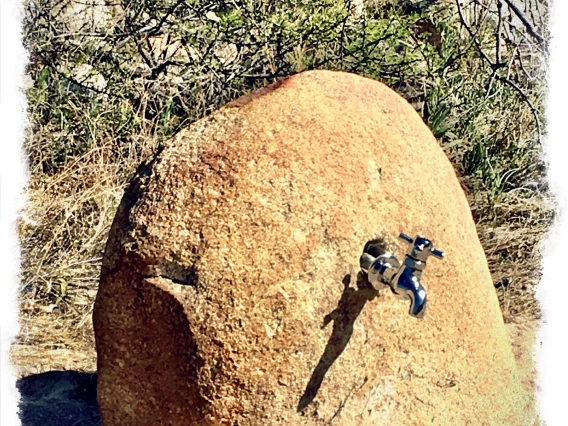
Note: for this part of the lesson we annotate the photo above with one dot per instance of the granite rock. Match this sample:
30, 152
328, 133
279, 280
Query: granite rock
230, 292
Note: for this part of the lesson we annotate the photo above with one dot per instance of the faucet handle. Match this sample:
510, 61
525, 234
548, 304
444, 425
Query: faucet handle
421, 247
437, 253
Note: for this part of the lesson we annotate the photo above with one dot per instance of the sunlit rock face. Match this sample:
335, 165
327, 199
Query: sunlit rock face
230, 292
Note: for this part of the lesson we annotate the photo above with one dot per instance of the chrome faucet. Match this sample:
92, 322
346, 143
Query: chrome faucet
404, 280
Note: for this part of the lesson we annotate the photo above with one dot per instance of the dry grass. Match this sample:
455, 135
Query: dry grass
64, 230
53, 342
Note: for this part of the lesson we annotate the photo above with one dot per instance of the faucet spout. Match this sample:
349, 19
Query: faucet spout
407, 285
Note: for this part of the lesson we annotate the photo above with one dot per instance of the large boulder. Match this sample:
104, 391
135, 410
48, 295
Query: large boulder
230, 292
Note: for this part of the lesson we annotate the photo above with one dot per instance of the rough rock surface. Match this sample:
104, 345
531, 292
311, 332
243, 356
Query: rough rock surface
230, 292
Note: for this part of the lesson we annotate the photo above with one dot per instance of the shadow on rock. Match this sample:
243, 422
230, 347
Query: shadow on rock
348, 309
59, 398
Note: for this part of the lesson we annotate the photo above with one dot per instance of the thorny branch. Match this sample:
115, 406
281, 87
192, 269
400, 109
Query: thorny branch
526, 23
506, 45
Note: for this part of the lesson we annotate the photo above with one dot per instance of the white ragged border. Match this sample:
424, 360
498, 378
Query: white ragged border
13, 58
552, 342
552, 350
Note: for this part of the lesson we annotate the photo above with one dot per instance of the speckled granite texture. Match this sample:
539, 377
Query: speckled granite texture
230, 292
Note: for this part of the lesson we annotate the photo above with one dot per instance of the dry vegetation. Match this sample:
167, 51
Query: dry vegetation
110, 81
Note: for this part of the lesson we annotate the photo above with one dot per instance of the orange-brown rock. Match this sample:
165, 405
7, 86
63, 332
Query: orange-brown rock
230, 294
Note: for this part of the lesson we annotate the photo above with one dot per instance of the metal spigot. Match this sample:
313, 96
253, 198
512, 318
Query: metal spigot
404, 280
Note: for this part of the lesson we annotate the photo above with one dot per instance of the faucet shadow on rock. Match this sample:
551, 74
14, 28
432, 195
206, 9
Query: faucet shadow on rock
348, 309
377, 274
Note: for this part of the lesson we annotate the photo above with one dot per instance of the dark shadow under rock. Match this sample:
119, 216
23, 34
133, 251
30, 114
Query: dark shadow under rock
59, 398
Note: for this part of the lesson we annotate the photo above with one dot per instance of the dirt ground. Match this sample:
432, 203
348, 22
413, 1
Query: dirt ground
523, 339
